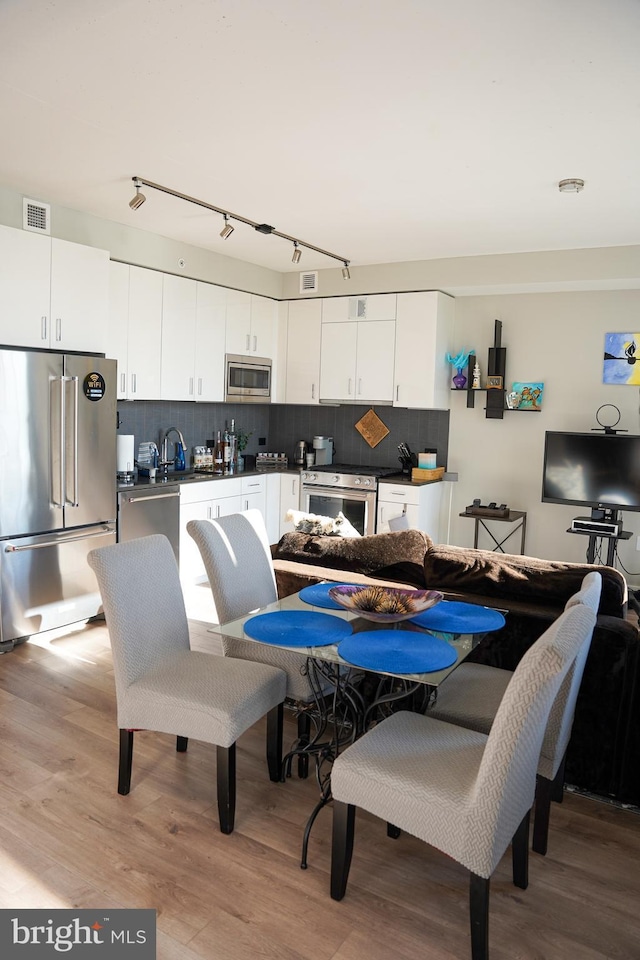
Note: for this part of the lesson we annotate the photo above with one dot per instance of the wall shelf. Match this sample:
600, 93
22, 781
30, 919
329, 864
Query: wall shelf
496, 367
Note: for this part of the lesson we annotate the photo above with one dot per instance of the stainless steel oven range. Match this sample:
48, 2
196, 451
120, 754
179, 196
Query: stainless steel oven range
327, 490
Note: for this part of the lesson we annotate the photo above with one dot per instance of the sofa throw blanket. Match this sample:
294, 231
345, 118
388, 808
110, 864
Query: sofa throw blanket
395, 556
513, 577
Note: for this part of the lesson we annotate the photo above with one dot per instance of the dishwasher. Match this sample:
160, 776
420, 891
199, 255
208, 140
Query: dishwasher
148, 510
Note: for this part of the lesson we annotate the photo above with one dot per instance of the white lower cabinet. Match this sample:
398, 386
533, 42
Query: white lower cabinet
421, 505
254, 494
289, 500
272, 509
204, 500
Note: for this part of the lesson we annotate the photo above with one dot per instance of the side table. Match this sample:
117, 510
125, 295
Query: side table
514, 516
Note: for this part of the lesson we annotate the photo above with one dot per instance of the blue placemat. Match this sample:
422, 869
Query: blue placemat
453, 616
297, 628
397, 651
318, 595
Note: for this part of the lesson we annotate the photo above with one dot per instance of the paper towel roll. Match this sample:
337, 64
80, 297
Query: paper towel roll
124, 452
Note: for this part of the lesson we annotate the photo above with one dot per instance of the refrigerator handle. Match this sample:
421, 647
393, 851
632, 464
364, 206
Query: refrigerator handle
56, 443
70, 411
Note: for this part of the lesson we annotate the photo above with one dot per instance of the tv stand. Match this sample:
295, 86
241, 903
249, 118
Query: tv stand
601, 525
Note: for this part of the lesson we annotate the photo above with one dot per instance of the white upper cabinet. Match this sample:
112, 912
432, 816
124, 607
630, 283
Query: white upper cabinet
238, 322
211, 306
177, 379
25, 288
79, 297
424, 335
53, 293
251, 326
304, 324
264, 321
356, 361
135, 330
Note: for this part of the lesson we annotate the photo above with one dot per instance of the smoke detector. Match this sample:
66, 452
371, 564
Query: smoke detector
571, 186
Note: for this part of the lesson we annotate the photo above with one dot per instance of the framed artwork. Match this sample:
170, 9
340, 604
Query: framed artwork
494, 383
530, 395
620, 358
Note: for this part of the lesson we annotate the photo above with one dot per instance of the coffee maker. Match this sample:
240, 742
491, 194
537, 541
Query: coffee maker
323, 449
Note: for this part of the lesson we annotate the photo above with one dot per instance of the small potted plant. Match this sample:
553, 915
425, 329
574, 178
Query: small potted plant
242, 440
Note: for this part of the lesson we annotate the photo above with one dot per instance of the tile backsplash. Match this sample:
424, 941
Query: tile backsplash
282, 425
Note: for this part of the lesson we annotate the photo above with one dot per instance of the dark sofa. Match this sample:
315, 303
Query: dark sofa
604, 753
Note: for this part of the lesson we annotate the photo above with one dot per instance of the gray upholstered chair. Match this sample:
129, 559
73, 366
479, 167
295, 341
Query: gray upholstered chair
163, 685
465, 793
472, 694
237, 558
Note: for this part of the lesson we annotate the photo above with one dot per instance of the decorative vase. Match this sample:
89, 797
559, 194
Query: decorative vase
459, 381
240, 463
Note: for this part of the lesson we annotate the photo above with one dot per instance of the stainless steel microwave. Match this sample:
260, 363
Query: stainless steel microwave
247, 379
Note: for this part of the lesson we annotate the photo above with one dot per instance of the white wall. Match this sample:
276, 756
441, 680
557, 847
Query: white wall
558, 339
146, 249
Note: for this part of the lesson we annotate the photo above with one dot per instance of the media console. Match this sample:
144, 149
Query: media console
601, 525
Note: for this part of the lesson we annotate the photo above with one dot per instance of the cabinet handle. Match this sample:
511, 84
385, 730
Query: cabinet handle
293, 487
190, 386
359, 386
397, 391
313, 391
134, 383
43, 328
209, 517
394, 494
123, 382
218, 512
246, 504
255, 344
256, 484
199, 386
248, 340
58, 328
349, 387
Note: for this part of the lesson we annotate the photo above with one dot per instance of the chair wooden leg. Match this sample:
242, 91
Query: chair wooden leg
344, 817
544, 793
274, 742
126, 759
393, 832
557, 794
226, 776
520, 853
479, 915
181, 744
304, 733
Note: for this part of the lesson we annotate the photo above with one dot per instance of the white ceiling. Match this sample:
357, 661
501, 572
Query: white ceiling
381, 130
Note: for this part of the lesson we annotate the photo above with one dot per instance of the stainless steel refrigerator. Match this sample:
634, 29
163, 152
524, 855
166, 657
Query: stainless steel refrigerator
57, 486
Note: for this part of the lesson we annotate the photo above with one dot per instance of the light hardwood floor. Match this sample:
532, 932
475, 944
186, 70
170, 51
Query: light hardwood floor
68, 840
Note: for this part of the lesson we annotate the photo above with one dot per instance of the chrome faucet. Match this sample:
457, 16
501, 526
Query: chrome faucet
164, 446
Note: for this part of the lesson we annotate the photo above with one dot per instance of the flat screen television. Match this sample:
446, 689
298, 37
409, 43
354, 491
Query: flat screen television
597, 470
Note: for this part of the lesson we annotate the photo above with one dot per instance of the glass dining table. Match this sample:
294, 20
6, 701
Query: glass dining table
360, 670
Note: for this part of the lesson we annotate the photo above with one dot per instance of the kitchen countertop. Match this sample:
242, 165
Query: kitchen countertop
176, 478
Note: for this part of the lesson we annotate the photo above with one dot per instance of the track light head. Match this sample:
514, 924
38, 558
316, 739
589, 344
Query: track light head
139, 198
345, 271
227, 230
297, 253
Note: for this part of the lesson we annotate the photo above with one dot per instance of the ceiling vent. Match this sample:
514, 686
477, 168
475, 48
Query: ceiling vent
309, 281
36, 216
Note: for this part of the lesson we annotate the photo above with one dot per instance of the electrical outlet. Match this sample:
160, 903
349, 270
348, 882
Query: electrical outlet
262, 442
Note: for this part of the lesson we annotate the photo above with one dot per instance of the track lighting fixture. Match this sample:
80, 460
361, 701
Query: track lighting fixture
139, 198
228, 229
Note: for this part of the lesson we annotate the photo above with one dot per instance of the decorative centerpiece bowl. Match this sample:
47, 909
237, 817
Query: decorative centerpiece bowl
384, 604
